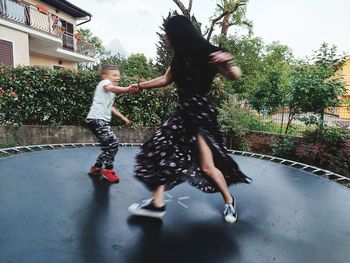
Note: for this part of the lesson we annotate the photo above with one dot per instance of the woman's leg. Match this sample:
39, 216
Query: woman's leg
158, 196
150, 208
208, 167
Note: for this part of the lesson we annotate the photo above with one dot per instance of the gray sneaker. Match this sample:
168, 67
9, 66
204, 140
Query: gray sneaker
230, 212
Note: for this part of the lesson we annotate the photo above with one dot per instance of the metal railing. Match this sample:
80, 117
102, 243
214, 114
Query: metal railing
28, 15
69, 42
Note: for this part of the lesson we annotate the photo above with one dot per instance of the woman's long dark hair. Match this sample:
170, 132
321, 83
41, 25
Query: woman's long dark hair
185, 38
191, 53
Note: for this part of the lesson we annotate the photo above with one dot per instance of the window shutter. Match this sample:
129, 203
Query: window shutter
6, 52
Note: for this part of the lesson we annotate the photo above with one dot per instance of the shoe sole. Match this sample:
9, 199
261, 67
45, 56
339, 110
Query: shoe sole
109, 180
236, 218
94, 174
143, 212
231, 221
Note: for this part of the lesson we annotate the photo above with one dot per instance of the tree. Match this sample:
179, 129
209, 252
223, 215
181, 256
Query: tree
113, 60
228, 13
101, 51
164, 56
273, 78
137, 66
248, 55
187, 12
314, 85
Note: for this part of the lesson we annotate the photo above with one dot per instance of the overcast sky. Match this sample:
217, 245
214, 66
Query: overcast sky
130, 26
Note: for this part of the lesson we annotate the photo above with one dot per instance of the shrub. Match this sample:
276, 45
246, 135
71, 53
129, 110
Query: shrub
331, 156
35, 95
236, 122
42, 96
284, 147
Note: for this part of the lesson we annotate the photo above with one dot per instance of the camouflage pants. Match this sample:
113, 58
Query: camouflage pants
109, 142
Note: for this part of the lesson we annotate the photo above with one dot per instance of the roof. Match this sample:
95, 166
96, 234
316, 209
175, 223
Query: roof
68, 8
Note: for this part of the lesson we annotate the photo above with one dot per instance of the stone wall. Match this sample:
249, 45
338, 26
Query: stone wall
259, 142
30, 135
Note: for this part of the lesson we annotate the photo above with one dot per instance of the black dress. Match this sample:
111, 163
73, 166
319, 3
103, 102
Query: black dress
170, 156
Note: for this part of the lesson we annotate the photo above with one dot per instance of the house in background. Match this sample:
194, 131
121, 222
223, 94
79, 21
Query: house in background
43, 33
343, 111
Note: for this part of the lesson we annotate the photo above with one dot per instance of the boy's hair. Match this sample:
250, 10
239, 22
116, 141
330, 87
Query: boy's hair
107, 67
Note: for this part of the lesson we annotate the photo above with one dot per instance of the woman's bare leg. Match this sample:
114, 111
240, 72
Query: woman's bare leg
208, 167
158, 196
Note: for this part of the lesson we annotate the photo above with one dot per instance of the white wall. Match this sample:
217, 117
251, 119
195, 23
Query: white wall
20, 44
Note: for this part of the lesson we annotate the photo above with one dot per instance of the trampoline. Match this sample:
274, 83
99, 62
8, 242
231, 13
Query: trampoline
51, 210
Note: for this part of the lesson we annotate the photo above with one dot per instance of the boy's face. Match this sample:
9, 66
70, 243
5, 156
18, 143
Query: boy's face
112, 75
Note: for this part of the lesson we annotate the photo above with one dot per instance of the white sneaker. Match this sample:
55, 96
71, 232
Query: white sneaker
230, 212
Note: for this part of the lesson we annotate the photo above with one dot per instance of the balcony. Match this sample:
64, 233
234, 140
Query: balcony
70, 42
40, 20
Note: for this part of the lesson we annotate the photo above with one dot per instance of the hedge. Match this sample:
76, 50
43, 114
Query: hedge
42, 96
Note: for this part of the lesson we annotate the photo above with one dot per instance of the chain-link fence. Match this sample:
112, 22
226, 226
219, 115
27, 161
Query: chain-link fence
277, 121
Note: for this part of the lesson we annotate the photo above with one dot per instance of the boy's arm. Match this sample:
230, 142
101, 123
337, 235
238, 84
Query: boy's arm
120, 116
116, 89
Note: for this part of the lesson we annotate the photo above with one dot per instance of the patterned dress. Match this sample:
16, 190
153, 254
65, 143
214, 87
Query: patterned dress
170, 156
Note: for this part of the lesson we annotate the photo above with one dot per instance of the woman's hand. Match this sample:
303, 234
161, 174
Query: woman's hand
133, 88
220, 57
225, 65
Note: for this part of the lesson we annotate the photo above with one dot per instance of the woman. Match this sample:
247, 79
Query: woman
189, 145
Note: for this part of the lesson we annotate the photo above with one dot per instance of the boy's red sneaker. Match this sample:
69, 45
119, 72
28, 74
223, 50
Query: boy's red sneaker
110, 175
95, 170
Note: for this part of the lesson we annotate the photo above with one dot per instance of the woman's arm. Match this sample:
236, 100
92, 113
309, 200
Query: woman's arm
162, 81
225, 65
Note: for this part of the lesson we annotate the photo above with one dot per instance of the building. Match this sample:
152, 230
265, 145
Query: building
343, 111
43, 33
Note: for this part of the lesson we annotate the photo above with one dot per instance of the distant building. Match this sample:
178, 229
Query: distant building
43, 33
343, 111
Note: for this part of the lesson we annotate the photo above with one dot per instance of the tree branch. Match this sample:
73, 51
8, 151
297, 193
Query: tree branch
206, 31
220, 7
225, 13
213, 22
190, 6
183, 9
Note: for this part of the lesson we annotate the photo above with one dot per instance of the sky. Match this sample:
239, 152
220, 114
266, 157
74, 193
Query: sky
130, 26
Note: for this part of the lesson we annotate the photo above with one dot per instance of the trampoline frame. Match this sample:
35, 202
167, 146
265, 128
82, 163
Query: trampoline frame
308, 168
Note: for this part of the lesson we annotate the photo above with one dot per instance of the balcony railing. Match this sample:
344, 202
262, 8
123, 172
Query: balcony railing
28, 15
70, 42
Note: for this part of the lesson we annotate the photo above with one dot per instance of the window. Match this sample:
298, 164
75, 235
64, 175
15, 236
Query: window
57, 67
6, 53
67, 26
68, 37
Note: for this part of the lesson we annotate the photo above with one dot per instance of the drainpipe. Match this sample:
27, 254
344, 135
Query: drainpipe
85, 21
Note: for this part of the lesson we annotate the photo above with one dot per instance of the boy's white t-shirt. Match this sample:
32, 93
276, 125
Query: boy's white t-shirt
102, 103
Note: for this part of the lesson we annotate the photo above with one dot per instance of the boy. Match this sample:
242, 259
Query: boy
99, 118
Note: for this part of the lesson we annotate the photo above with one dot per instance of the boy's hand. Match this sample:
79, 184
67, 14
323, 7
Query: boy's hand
133, 88
127, 121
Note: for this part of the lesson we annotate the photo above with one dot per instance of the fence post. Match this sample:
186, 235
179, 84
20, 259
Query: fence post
282, 120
